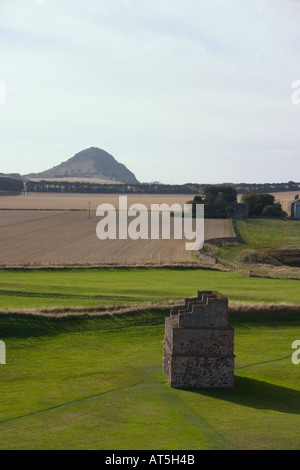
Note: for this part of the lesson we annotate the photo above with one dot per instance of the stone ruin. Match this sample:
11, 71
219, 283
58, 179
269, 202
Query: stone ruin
199, 343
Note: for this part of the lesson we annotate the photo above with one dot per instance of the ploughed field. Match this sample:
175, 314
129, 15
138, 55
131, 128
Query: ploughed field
55, 230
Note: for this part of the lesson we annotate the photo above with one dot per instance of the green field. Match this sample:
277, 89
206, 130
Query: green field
264, 237
265, 233
105, 287
97, 383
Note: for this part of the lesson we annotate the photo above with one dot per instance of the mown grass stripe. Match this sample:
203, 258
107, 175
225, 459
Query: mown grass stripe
216, 439
80, 401
169, 395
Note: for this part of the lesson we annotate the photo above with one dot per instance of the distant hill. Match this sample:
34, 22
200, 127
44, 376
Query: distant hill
90, 163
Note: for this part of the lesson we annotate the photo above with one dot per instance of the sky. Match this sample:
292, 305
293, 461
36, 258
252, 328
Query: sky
179, 91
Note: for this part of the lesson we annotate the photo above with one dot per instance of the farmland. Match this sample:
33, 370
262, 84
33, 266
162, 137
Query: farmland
60, 230
57, 201
68, 238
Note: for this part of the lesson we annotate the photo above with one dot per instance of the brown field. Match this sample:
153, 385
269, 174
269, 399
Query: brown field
285, 198
59, 230
56, 201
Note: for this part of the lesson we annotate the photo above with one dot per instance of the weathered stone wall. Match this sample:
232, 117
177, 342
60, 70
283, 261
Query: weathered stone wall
199, 343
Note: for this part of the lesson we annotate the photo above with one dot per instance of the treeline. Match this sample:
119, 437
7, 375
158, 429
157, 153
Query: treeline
11, 184
243, 188
97, 188
152, 188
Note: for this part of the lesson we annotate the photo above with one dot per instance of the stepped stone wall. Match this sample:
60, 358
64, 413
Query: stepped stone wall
199, 343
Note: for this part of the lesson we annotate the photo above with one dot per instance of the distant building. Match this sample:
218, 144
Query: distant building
240, 210
294, 208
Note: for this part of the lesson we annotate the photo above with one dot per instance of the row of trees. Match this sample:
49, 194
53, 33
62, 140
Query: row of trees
97, 188
263, 188
209, 191
158, 188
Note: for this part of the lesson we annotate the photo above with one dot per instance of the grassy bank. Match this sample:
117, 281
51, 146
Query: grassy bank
261, 235
106, 287
267, 248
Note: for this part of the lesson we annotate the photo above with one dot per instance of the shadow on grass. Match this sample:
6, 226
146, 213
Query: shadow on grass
67, 295
28, 326
257, 394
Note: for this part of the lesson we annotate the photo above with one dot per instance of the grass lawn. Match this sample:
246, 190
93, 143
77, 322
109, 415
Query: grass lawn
104, 287
96, 383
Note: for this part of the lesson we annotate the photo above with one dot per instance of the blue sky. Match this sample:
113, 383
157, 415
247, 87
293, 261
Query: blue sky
177, 90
